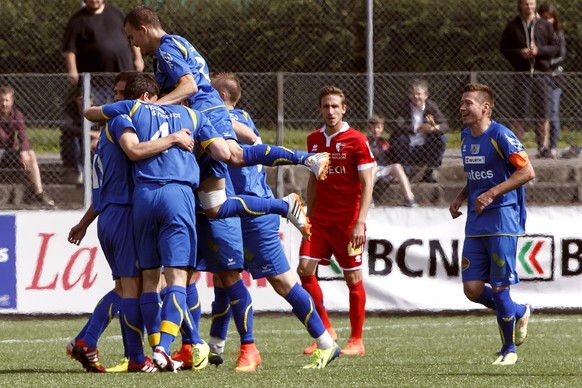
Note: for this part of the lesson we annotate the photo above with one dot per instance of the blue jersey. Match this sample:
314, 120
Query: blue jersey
251, 180
150, 122
112, 170
486, 163
177, 57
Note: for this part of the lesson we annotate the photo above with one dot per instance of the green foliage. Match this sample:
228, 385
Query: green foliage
298, 36
406, 351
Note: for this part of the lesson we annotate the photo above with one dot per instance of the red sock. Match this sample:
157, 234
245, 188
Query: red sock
311, 285
357, 308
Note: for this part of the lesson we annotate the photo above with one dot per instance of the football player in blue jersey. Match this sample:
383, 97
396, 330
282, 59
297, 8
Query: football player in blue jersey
497, 167
183, 75
264, 255
112, 193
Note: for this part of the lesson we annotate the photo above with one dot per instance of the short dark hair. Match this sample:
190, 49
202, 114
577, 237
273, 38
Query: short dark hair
376, 119
139, 84
228, 83
485, 92
142, 16
328, 90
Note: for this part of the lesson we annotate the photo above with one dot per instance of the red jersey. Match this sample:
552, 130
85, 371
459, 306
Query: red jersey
338, 196
11, 128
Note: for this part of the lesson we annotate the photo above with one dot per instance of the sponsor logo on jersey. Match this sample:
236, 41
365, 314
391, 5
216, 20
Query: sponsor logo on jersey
314, 148
475, 175
475, 159
336, 169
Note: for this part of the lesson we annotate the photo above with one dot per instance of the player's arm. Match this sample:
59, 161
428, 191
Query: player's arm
367, 180
244, 133
185, 87
94, 114
218, 149
138, 64
524, 173
457, 203
78, 231
136, 150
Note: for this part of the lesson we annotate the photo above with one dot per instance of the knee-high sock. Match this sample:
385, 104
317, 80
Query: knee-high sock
311, 285
173, 310
150, 303
193, 302
221, 313
241, 305
250, 206
357, 308
105, 310
270, 155
133, 327
122, 327
486, 298
304, 310
505, 318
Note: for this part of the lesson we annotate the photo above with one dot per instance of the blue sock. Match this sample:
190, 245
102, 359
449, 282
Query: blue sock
122, 326
149, 304
190, 329
251, 206
270, 155
486, 298
133, 327
163, 292
105, 310
220, 313
304, 309
242, 310
519, 310
505, 318
173, 310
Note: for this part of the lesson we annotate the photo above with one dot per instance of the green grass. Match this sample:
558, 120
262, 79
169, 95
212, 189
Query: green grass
408, 351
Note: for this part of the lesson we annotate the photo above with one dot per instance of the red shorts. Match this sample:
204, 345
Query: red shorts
331, 238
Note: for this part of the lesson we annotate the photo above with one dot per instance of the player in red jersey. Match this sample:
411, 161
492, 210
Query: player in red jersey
338, 208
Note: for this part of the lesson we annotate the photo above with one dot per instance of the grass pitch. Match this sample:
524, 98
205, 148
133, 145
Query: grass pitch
401, 351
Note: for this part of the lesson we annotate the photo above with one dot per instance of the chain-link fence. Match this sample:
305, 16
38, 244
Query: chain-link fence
284, 52
284, 107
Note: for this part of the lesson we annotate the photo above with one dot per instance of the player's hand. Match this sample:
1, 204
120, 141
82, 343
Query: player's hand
454, 208
482, 202
184, 140
358, 235
76, 234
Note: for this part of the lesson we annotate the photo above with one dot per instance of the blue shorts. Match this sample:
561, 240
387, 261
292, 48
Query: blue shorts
211, 168
164, 225
220, 246
491, 259
115, 232
219, 117
264, 255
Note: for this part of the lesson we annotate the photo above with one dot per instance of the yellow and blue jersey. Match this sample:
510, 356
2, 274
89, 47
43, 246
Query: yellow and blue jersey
251, 180
486, 160
150, 122
112, 172
177, 57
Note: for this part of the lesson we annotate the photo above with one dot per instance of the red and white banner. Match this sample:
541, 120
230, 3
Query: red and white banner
412, 262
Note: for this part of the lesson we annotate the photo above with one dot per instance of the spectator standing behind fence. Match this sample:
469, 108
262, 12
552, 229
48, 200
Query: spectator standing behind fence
385, 167
497, 168
95, 42
72, 138
529, 43
419, 137
19, 155
549, 12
